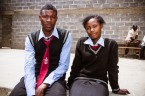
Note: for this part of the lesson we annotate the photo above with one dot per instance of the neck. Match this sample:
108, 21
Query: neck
47, 33
95, 40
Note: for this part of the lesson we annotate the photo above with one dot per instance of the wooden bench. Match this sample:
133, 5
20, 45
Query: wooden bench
132, 48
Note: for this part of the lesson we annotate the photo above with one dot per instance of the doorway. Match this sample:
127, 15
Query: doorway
6, 30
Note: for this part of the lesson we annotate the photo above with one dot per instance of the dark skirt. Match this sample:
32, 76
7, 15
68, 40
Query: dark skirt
83, 87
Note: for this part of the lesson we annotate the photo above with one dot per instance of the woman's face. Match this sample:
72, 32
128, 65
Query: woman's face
93, 28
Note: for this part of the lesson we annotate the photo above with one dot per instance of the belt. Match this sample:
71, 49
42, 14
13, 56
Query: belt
94, 80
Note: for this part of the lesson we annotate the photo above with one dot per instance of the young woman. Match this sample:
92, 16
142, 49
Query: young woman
95, 62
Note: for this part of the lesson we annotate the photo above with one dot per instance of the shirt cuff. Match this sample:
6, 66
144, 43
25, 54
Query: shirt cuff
49, 81
115, 90
30, 92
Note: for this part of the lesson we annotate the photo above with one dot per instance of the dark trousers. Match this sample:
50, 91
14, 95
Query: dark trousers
142, 56
57, 89
134, 43
88, 88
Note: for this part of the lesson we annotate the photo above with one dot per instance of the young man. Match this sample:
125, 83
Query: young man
47, 57
131, 39
95, 62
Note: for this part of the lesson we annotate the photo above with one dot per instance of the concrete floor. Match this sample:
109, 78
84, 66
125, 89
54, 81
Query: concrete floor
131, 75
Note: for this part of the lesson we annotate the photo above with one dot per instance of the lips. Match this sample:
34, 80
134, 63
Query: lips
94, 34
48, 26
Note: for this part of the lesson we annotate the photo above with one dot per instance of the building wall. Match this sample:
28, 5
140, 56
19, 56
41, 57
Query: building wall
119, 15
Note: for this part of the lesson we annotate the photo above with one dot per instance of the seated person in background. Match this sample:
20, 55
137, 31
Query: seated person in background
142, 48
131, 39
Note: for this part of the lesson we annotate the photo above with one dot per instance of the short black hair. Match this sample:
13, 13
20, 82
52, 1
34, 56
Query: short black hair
48, 7
99, 18
134, 27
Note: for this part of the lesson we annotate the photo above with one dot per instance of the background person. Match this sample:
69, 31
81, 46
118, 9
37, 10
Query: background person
142, 49
132, 38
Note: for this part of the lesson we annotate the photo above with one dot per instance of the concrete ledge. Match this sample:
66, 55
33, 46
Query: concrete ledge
131, 72
4, 91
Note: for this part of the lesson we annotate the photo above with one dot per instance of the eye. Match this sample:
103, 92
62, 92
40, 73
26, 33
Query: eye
94, 26
44, 16
87, 28
53, 17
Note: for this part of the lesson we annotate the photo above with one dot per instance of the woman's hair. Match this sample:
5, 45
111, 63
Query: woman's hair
99, 19
48, 7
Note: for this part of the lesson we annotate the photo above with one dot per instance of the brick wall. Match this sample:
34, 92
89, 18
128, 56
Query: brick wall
119, 15
23, 25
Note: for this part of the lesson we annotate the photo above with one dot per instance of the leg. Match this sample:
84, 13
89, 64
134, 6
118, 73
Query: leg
127, 45
57, 89
88, 88
19, 89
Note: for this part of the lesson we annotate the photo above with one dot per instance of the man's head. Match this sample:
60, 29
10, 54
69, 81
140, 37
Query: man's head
134, 27
48, 17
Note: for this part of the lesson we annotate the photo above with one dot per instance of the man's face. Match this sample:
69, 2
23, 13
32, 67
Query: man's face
134, 28
48, 19
93, 28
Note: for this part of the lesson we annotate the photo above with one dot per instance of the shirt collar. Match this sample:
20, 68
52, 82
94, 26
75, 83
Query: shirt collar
90, 42
54, 33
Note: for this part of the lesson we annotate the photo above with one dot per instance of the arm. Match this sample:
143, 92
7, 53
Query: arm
112, 66
29, 68
76, 66
113, 71
136, 36
63, 63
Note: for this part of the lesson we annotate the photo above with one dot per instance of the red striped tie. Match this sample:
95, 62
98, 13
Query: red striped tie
45, 63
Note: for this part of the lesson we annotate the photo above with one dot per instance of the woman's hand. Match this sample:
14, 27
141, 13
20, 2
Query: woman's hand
122, 92
40, 89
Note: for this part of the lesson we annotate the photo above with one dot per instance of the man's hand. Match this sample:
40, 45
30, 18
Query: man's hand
40, 89
122, 92
132, 39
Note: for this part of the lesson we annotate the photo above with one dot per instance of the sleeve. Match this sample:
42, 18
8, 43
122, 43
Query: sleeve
29, 78
76, 66
63, 63
112, 66
137, 32
129, 35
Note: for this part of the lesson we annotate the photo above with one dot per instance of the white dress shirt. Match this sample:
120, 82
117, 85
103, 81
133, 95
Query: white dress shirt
90, 42
143, 41
132, 34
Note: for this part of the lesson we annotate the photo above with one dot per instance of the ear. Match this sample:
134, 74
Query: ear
40, 17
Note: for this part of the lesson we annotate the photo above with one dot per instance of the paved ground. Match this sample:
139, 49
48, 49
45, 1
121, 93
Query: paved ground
131, 76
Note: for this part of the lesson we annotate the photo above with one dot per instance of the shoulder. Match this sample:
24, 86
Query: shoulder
33, 37
62, 31
34, 33
82, 39
110, 41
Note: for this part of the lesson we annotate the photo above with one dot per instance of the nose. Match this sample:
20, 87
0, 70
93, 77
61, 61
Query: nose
92, 29
48, 19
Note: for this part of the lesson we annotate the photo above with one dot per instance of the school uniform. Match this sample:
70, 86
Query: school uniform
92, 69
59, 58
